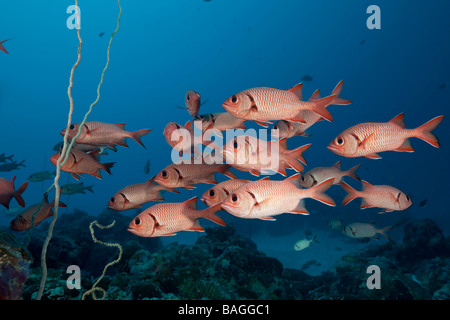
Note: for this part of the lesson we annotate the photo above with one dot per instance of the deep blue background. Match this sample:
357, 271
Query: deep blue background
218, 48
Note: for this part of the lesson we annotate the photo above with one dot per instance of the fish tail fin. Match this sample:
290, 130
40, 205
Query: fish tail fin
107, 166
317, 192
337, 91
352, 194
382, 232
352, 172
227, 171
18, 194
90, 188
293, 157
137, 135
424, 131
21, 164
320, 107
210, 214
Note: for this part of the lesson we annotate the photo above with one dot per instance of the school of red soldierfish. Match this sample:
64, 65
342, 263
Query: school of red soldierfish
261, 199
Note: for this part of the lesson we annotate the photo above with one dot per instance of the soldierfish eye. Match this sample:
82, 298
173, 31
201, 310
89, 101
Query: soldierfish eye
164, 173
233, 99
188, 97
235, 144
137, 221
211, 193
112, 199
72, 127
339, 141
234, 197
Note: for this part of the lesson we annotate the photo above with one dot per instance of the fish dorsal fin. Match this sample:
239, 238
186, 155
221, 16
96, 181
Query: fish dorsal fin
315, 96
365, 184
294, 179
399, 120
297, 90
120, 125
188, 125
264, 179
338, 165
95, 154
192, 202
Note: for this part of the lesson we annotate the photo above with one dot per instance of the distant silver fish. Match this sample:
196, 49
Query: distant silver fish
71, 188
12, 165
40, 176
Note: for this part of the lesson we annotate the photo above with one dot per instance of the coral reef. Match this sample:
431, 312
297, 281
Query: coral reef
222, 264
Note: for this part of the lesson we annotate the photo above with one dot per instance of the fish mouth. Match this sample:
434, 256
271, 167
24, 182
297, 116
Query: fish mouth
333, 148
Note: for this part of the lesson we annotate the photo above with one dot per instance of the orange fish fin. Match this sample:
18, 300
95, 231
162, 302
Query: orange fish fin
424, 131
210, 214
372, 156
303, 134
211, 179
298, 118
189, 187
365, 205
264, 124
315, 96
297, 90
385, 210
107, 166
230, 174
18, 193
399, 120
300, 209
264, 179
337, 91
365, 184
76, 176
2, 48
352, 172
294, 179
188, 126
158, 197
320, 107
281, 170
406, 147
268, 218
137, 135
196, 227
337, 165
319, 195
352, 194
255, 172
192, 202
168, 235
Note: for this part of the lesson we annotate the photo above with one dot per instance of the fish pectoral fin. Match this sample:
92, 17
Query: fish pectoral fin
363, 143
372, 156
268, 218
405, 147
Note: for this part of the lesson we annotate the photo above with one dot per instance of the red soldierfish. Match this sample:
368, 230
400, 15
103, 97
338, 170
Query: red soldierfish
290, 129
79, 162
7, 192
380, 196
319, 174
23, 220
100, 133
264, 104
220, 191
166, 219
366, 139
264, 199
135, 195
184, 175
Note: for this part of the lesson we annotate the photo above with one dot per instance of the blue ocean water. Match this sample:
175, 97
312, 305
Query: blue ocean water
218, 48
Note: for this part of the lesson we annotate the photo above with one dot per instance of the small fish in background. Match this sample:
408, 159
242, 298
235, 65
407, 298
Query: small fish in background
3, 157
335, 224
166, 219
100, 133
366, 139
13, 165
442, 86
41, 176
307, 78
358, 230
310, 263
79, 162
319, 174
362, 42
23, 221
193, 102
220, 191
423, 203
7, 192
381, 196
72, 188
304, 243
2, 48
57, 147
90, 148
135, 195
101, 34
147, 167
